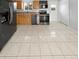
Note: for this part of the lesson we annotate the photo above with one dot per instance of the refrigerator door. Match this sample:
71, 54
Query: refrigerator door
6, 30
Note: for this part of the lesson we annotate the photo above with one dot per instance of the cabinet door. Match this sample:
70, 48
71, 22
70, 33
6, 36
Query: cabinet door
28, 17
36, 4
23, 19
19, 18
19, 4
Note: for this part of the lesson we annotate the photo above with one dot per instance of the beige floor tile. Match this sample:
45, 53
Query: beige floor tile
34, 57
1, 57
47, 57
10, 50
34, 53
24, 50
65, 49
44, 48
71, 57
59, 57
34, 49
73, 47
42, 41
44, 52
9, 58
54, 49
22, 57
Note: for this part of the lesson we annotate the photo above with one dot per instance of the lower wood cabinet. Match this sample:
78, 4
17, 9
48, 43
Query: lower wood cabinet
28, 18
23, 18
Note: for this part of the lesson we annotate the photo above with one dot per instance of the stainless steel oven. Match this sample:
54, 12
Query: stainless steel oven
44, 19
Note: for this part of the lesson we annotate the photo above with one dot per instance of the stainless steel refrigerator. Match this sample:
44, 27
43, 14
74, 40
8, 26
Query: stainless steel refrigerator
7, 22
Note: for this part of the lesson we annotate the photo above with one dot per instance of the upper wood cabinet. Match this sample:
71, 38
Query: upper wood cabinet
14, 0
19, 4
18, 0
36, 0
36, 4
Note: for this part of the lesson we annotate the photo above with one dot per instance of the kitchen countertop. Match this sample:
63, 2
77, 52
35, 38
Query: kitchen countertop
27, 11
34, 10
30, 11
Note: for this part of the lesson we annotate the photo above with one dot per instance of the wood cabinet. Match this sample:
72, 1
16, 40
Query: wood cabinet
18, 0
14, 0
23, 18
36, 4
28, 18
19, 4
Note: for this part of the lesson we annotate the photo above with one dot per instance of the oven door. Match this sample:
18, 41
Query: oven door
44, 19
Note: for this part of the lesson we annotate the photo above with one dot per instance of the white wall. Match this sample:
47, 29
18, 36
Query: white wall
53, 14
74, 14
63, 11
67, 13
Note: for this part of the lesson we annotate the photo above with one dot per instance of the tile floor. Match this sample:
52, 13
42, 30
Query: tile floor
55, 41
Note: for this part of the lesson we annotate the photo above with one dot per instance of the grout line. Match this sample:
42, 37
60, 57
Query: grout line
45, 42
29, 50
38, 56
60, 49
70, 48
50, 51
40, 49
